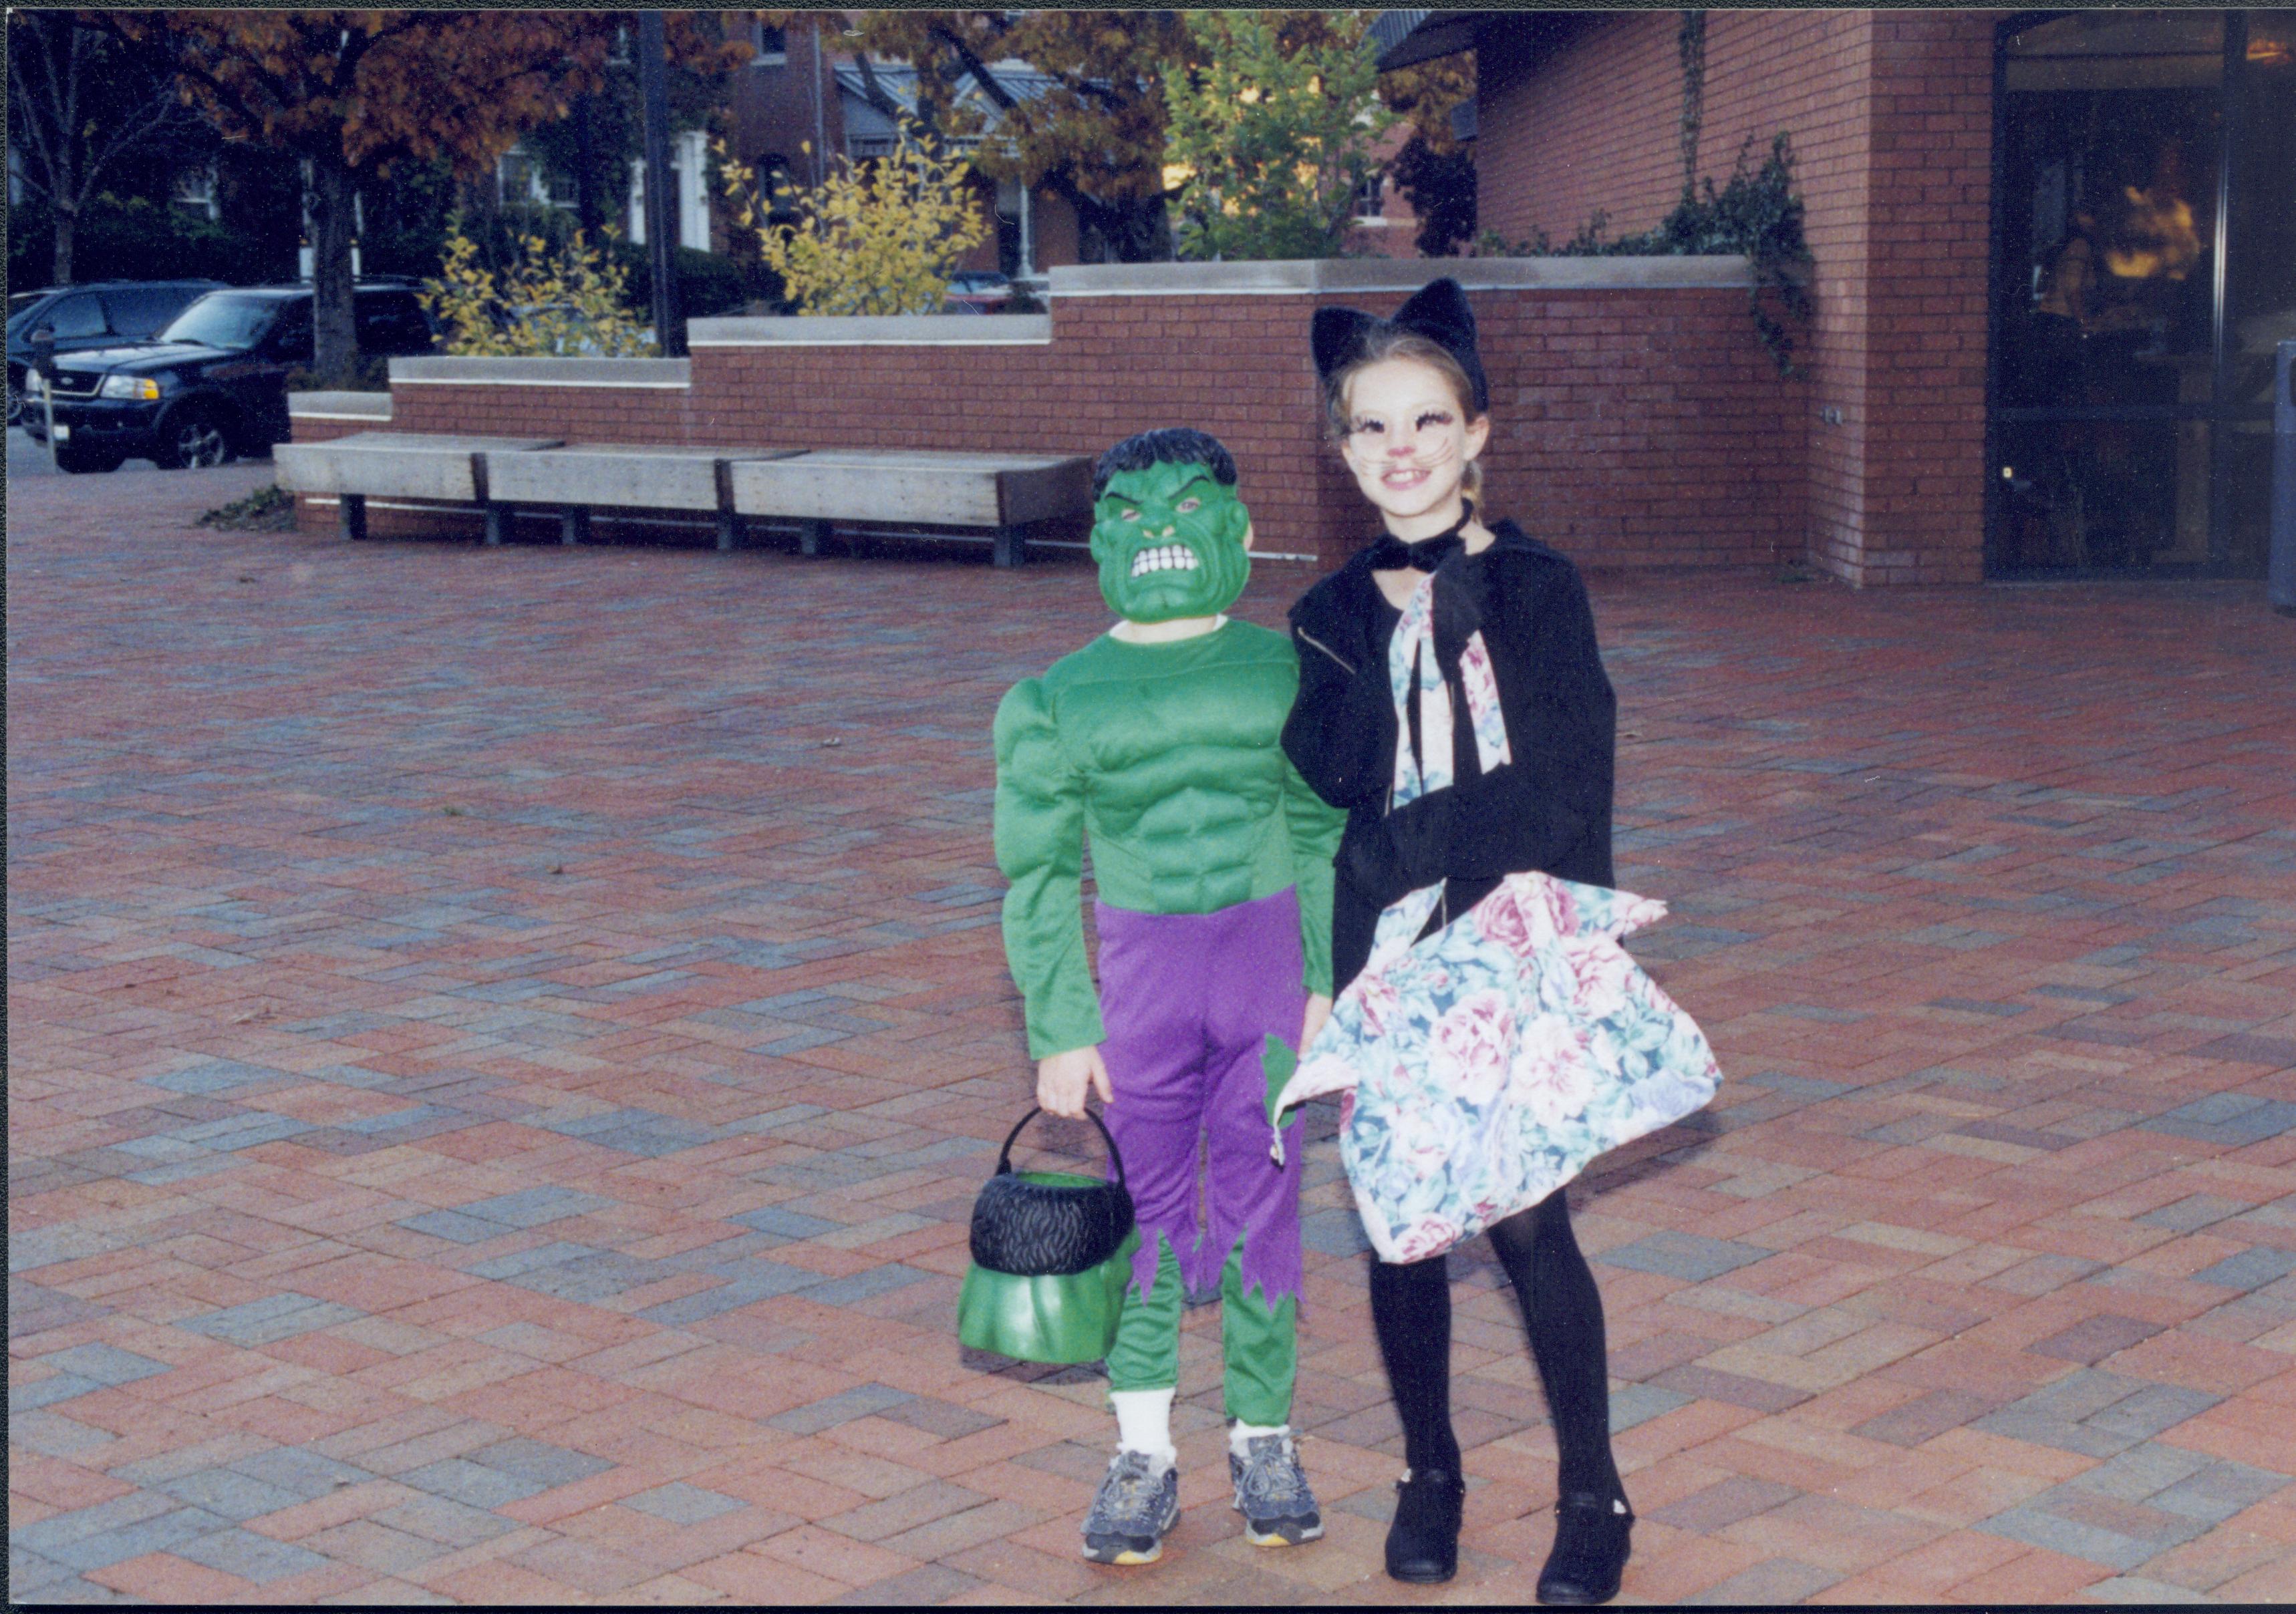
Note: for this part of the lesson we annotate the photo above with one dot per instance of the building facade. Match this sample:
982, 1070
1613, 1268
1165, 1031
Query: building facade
2053, 252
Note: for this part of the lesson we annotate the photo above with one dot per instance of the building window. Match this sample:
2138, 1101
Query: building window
522, 181
768, 46
1370, 196
692, 165
777, 186
195, 192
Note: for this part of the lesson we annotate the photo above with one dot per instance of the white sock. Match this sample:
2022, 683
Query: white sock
1240, 1434
1144, 1423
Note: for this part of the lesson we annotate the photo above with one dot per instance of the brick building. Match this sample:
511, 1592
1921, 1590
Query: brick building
2053, 253
804, 97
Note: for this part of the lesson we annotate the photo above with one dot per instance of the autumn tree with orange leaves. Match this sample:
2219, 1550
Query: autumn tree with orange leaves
356, 93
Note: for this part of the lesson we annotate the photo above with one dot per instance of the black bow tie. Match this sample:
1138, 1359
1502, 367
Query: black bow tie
1391, 554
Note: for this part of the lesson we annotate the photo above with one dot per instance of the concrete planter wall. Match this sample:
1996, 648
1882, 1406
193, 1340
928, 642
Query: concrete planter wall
1637, 423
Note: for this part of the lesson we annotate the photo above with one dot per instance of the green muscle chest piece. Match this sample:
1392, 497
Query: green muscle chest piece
1178, 746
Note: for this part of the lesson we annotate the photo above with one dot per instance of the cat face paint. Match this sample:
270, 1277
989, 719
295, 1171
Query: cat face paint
1170, 543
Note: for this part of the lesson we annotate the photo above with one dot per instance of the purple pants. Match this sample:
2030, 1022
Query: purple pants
1189, 1002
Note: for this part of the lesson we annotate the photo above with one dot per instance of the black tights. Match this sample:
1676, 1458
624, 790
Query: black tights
1562, 1308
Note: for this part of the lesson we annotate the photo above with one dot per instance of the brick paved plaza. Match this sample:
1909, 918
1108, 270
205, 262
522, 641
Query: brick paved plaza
503, 1044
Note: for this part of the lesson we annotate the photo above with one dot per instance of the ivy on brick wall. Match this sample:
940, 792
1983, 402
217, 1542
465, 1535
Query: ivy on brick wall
1756, 214
1690, 43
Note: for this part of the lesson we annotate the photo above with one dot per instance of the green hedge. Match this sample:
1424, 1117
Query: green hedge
707, 286
137, 239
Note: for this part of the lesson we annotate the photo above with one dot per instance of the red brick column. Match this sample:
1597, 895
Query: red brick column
1930, 187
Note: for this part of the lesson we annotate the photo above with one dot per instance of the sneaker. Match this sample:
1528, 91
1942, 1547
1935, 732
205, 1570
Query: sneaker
1272, 1494
1136, 1506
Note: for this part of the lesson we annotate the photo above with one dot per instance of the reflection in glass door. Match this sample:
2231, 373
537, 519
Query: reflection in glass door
2125, 188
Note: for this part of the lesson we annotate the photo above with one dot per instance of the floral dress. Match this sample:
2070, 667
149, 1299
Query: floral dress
1488, 1062
1484, 1066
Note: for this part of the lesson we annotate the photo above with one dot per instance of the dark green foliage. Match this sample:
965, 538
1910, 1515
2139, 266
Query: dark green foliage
707, 286
406, 221
139, 239
369, 373
265, 509
1757, 214
1441, 191
1690, 45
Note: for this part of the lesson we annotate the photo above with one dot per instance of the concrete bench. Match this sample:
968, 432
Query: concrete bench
817, 489
1004, 492
577, 478
402, 465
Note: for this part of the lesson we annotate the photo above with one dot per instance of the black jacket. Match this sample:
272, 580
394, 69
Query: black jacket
1549, 810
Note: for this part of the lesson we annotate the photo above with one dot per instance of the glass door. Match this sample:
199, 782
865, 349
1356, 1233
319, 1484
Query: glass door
2260, 278
2142, 230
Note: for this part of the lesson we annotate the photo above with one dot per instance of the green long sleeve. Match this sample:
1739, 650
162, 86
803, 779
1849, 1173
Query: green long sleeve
1315, 827
1039, 834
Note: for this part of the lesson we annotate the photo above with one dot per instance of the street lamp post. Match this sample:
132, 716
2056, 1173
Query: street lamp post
661, 186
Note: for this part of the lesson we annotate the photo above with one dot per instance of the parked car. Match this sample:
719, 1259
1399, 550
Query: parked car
214, 384
978, 291
576, 338
99, 314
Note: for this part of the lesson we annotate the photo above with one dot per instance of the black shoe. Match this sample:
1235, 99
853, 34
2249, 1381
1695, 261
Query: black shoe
1423, 1543
1590, 1551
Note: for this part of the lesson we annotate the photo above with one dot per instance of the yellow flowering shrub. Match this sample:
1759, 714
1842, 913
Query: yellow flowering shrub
879, 237
570, 303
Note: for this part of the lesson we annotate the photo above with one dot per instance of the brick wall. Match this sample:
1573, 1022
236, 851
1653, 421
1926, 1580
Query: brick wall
775, 106
1634, 425
1890, 116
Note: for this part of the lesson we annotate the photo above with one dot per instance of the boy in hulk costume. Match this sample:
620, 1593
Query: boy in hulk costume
1161, 740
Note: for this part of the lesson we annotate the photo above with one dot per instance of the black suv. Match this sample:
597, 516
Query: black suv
212, 384
102, 314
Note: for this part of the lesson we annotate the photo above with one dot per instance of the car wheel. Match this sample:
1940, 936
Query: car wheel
15, 405
195, 440
76, 460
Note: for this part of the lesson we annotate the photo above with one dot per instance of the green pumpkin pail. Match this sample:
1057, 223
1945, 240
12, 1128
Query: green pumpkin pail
1065, 1318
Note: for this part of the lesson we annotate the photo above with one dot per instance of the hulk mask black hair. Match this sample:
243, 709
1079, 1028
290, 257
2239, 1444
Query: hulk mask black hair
1168, 528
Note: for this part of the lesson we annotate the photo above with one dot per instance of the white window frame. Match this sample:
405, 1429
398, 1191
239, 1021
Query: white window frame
1374, 184
195, 191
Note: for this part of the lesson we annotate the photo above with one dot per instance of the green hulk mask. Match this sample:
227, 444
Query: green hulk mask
1170, 541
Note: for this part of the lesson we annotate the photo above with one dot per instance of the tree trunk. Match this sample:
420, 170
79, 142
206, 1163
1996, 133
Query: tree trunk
589, 213
334, 330
67, 218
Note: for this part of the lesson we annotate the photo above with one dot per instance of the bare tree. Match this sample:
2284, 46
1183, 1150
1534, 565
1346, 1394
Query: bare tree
80, 97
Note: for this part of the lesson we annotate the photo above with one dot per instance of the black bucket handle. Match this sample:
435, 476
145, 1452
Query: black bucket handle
1115, 1155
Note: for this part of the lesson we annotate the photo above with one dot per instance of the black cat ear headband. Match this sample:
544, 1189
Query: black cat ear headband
1437, 311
